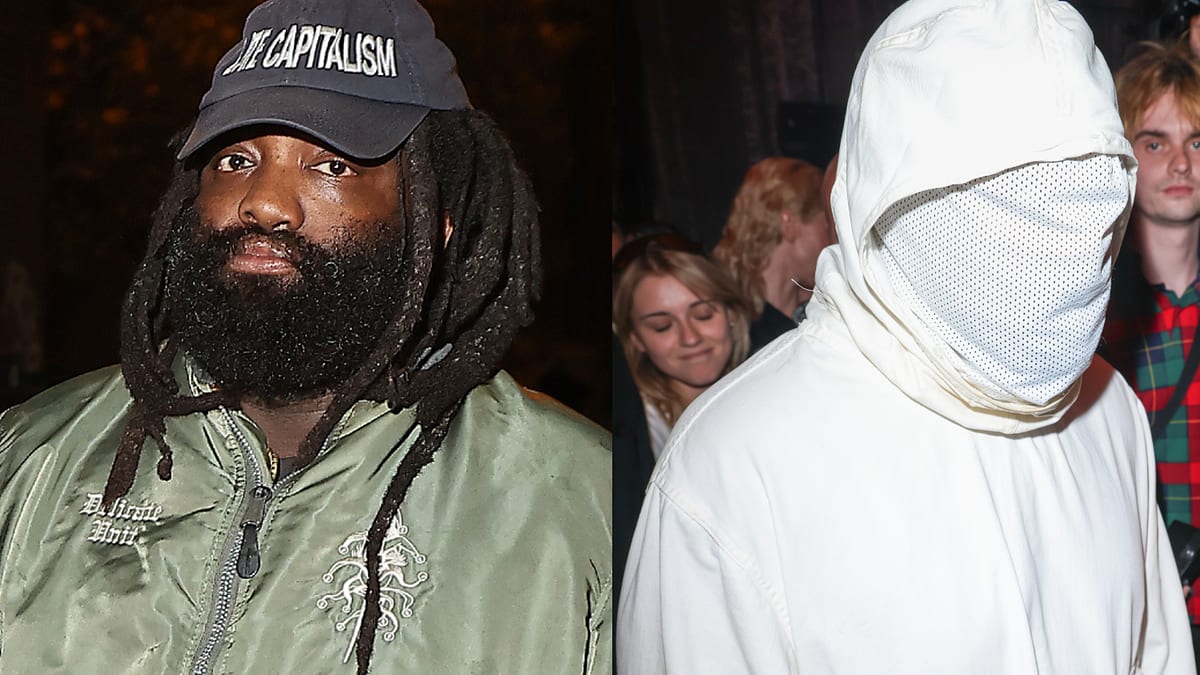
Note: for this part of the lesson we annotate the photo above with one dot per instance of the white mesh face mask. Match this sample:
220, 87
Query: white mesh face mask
1012, 271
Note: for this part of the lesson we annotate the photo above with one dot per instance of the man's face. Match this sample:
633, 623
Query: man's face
276, 183
288, 268
807, 238
1167, 147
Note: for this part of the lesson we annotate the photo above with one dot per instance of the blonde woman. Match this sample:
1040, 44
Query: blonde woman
681, 322
776, 228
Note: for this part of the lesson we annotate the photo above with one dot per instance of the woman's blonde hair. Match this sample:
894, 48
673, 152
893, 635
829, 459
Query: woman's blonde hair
665, 255
771, 186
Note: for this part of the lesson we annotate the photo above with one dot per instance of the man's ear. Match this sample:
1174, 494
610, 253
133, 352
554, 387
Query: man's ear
447, 228
789, 224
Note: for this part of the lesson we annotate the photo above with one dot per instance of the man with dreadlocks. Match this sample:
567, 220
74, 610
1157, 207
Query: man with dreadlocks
310, 347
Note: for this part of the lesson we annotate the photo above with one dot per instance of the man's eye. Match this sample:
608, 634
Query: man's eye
1153, 146
233, 162
335, 167
1196, 145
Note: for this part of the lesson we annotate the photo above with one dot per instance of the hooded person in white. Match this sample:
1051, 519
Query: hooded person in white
932, 474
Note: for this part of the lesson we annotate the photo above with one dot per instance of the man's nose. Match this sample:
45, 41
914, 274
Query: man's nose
1181, 163
271, 202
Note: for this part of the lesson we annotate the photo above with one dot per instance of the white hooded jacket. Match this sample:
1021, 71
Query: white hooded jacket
851, 500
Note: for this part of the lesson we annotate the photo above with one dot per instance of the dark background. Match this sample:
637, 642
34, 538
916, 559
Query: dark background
96, 88
705, 88
631, 109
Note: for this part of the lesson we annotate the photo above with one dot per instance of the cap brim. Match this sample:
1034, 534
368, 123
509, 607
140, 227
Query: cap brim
357, 127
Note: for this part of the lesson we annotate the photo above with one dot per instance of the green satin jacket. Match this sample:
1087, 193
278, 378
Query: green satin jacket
498, 562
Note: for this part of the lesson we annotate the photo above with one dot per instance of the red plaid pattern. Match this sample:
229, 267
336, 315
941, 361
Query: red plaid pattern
1149, 347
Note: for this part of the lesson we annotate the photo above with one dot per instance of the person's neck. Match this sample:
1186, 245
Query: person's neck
783, 294
1169, 253
686, 392
286, 425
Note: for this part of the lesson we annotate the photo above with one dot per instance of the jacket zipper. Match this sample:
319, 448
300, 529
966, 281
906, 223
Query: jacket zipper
239, 557
247, 560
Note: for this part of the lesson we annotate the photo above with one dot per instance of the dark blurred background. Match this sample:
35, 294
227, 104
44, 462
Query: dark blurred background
636, 110
705, 88
95, 88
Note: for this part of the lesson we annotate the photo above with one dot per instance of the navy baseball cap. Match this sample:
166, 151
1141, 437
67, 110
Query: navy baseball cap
359, 75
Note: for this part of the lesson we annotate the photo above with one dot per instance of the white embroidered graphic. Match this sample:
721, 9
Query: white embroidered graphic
122, 523
397, 578
326, 48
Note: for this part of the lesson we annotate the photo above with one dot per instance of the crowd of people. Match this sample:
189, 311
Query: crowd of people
683, 319
921, 444
931, 408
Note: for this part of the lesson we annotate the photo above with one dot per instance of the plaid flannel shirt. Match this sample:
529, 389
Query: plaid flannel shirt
1147, 338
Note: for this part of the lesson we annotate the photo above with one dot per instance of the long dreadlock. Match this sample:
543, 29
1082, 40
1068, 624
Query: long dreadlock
474, 297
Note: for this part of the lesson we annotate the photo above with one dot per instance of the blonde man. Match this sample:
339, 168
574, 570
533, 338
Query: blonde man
776, 228
1151, 324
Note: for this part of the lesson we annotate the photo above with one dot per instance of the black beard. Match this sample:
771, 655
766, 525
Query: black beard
280, 340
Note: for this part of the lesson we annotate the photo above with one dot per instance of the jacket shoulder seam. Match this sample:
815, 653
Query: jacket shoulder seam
739, 558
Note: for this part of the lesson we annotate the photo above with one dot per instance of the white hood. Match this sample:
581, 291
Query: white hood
947, 93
